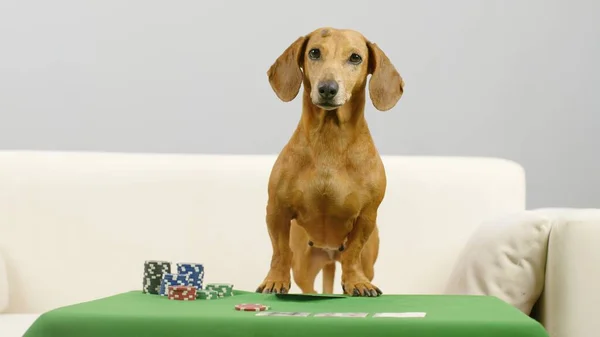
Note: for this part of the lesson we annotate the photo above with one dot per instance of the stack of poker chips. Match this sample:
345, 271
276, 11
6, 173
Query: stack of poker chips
195, 272
182, 293
222, 289
207, 294
153, 274
173, 280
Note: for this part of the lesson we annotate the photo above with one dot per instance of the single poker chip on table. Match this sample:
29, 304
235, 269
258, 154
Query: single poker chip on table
251, 307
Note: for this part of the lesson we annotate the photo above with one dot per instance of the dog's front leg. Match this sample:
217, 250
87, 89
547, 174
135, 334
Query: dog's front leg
278, 279
354, 281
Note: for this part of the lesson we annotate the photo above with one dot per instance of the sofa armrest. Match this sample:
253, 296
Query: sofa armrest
3, 286
570, 301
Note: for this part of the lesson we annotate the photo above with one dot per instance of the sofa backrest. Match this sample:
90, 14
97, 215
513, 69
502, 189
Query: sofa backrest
78, 226
3, 285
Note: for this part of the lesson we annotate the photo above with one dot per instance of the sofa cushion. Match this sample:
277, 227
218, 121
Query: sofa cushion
3, 286
505, 258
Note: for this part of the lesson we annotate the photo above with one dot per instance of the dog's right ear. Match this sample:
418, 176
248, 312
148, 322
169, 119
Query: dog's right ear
285, 75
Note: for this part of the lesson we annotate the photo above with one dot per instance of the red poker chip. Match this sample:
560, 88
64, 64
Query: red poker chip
180, 292
251, 307
182, 288
179, 298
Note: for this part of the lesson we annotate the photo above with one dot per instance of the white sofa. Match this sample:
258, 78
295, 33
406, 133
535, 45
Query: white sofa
78, 226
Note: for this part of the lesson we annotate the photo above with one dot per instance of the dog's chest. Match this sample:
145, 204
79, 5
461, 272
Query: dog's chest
328, 184
330, 191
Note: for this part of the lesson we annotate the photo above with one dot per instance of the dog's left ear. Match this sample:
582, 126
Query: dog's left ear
285, 75
386, 85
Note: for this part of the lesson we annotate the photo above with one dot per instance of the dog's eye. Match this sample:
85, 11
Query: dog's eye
355, 58
314, 54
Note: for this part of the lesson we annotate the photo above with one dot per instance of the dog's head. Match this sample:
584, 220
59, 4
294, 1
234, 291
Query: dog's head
333, 65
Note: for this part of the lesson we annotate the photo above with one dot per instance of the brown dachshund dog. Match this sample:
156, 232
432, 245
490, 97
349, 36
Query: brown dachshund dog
328, 181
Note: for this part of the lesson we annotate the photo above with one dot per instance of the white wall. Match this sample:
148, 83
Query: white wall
514, 79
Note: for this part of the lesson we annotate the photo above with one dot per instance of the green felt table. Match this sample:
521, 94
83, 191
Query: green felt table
137, 314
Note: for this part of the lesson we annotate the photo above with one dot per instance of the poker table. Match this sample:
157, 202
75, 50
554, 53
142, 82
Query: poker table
137, 314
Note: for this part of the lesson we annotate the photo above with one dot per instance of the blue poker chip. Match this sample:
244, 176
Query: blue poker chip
195, 271
173, 280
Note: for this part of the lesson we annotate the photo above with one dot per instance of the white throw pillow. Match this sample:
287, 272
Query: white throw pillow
505, 258
3, 286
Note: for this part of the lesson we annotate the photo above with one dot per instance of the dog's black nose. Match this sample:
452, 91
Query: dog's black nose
328, 89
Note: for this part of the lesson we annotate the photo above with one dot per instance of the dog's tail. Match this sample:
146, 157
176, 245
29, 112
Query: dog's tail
328, 276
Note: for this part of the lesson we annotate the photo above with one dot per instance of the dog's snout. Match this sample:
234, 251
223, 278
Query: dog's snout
328, 89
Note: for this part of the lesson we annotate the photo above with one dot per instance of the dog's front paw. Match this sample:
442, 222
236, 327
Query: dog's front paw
360, 288
274, 286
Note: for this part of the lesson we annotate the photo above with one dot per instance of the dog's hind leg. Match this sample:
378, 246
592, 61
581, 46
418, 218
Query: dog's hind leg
328, 276
306, 265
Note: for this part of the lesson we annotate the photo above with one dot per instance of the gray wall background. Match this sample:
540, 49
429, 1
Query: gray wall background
512, 79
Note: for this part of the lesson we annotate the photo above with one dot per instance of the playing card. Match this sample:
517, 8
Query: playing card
342, 314
401, 314
283, 314
309, 296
